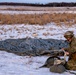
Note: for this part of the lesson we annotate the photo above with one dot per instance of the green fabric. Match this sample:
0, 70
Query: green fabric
71, 65
72, 46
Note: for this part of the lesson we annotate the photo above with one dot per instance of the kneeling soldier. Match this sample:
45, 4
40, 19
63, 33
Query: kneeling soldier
71, 50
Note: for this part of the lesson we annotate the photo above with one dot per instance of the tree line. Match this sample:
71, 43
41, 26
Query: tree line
54, 4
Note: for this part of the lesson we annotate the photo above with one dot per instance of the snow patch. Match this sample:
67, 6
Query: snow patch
33, 12
11, 64
50, 30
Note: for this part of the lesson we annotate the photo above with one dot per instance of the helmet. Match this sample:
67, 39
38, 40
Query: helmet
68, 34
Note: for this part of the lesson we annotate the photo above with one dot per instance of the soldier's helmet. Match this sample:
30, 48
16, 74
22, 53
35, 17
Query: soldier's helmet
68, 34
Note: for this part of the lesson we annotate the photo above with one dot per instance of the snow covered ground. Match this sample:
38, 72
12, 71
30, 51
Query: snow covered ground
34, 31
34, 12
11, 64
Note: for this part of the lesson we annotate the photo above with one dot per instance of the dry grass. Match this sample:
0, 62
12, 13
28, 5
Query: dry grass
41, 19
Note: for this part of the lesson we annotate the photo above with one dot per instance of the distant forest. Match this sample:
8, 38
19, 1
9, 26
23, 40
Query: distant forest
54, 4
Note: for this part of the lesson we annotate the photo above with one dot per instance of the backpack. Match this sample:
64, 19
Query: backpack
57, 68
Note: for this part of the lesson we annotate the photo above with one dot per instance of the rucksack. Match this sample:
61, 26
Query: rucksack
57, 68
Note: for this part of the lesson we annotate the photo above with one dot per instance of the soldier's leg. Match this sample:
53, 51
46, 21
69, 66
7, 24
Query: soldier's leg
71, 65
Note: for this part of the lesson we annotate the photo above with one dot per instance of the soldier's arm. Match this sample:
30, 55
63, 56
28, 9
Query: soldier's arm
67, 49
71, 49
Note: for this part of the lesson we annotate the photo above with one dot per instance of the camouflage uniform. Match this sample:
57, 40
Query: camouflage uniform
71, 64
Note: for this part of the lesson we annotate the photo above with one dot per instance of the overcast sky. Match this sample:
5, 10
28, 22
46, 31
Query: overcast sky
37, 1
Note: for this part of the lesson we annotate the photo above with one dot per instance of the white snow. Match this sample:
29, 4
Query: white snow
11, 64
34, 31
33, 12
22, 12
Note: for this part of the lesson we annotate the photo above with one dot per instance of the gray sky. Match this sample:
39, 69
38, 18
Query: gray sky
37, 1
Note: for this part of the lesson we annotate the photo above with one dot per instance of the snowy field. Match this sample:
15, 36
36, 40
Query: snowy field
11, 64
38, 10
34, 31
34, 12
